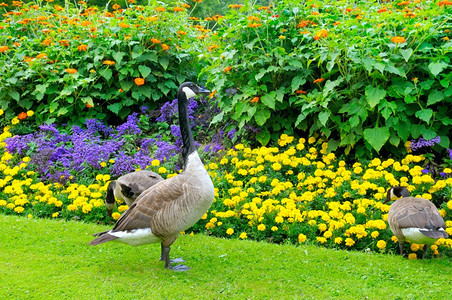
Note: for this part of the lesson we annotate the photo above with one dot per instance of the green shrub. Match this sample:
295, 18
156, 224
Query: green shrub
333, 69
77, 63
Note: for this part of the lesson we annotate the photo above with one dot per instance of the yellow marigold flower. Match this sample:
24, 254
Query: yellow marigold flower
210, 225
394, 239
320, 239
381, 244
19, 209
301, 238
30, 113
349, 242
274, 228
276, 166
374, 234
243, 235
103, 164
412, 256
115, 215
55, 215
162, 170
327, 234
230, 231
155, 163
338, 240
322, 227
123, 208
261, 227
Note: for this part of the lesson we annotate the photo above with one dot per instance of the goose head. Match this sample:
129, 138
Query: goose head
396, 192
190, 89
110, 197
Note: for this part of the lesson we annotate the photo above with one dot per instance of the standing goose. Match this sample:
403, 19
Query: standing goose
414, 219
128, 187
173, 205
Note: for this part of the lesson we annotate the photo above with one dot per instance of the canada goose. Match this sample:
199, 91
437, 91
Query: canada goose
173, 205
128, 187
414, 219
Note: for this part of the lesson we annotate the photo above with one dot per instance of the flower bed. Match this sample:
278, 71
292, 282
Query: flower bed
294, 192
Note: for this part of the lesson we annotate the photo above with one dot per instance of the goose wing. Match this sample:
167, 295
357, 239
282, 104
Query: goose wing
417, 213
142, 212
135, 183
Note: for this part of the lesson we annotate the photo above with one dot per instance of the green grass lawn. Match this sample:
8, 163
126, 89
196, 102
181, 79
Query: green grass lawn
52, 259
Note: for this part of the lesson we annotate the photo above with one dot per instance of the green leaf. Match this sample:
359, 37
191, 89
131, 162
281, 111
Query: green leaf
376, 137
107, 74
118, 56
126, 85
144, 70
164, 62
217, 118
62, 111
406, 53
115, 107
261, 116
436, 67
269, 100
434, 97
15, 95
374, 95
263, 137
261, 74
297, 81
324, 116
41, 88
428, 134
424, 114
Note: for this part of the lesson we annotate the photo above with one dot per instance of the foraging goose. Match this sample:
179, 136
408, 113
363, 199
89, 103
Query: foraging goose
414, 219
128, 187
173, 205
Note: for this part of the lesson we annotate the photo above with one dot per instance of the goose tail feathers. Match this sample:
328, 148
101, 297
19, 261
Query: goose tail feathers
435, 234
103, 237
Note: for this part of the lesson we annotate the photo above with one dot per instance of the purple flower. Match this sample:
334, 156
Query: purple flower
421, 143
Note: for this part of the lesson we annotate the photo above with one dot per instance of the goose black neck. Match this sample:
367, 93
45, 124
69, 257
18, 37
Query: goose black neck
185, 130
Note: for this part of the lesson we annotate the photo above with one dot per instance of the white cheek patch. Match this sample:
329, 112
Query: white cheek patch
188, 92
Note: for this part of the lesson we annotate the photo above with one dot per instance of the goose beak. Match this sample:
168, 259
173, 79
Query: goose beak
203, 91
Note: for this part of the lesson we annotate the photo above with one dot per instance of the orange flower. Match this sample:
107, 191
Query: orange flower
139, 81
445, 39
3, 48
82, 47
254, 25
71, 71
301, 92
89, 105
164, 47
160, 9
211, 95
116, 6
64, 43
227, 69
398, 39
155, 41
318, 80
124, 25
321, 34
22, 116
176, 9
235, 6
255, 99
41, 55
109, 62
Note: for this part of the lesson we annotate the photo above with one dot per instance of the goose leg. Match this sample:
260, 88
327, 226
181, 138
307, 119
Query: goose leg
168, 265
425, 251
401, 248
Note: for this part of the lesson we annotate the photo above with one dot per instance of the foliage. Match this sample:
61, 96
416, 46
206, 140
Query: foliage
75, 63
366, 74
